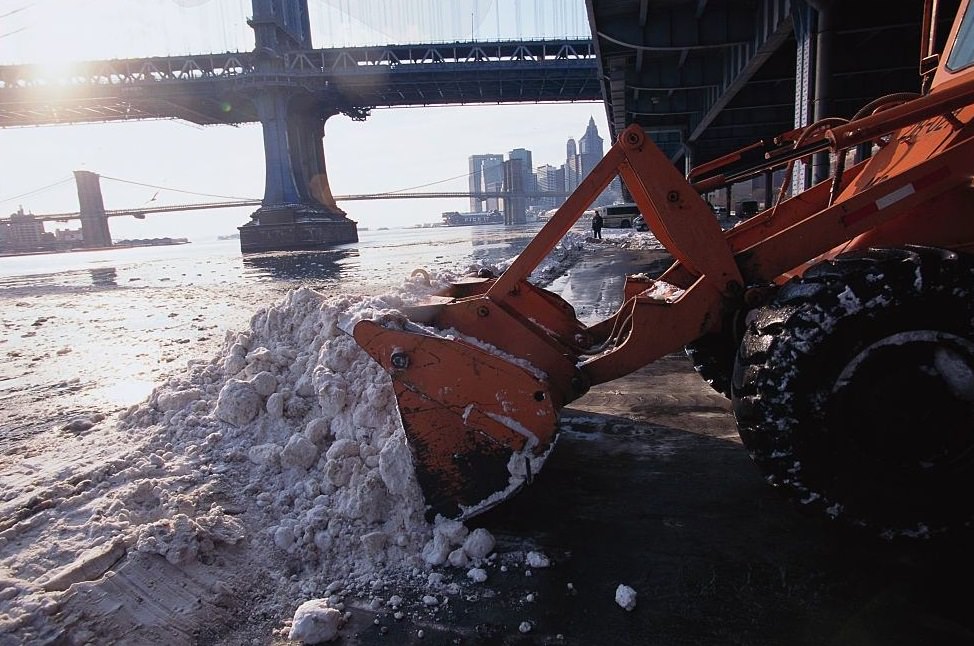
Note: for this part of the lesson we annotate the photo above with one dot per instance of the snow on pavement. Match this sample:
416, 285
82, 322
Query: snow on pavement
282, 457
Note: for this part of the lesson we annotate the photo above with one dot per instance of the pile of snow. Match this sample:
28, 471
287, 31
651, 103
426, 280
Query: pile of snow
287, 445
632, 239
568, 252
304, 423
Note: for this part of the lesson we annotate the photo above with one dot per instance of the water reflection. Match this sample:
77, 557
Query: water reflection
497, 244
299, 265
104, 277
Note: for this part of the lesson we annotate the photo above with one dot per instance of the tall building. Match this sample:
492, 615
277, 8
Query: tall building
486, 175
572, 166
25, 232
590, 148
528, 181
550, 179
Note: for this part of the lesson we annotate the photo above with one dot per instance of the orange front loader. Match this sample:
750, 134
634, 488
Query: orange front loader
839, 320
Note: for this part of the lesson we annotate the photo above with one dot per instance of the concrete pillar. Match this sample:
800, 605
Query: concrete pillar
91, 206
769, 195
728, 198
280, 186
298, 210
802, 17
294, 155
824, 35
281, 25
688, 157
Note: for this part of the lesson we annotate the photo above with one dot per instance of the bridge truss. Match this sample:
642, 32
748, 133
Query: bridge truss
216, 88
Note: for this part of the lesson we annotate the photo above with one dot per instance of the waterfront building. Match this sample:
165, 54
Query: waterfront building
455, 219
25, 232
69, 237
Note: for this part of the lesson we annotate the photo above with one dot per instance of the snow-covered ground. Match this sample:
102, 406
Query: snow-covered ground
269, 475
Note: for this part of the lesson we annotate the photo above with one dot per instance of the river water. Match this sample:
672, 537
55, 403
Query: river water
93, 332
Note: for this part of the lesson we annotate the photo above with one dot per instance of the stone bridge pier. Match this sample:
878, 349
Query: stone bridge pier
298, 210
91, 207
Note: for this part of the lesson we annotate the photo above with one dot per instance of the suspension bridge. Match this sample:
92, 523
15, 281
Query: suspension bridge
704, 78
229, 202
143, 211
292, 87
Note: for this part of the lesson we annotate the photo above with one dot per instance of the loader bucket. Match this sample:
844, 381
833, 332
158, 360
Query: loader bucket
470, 451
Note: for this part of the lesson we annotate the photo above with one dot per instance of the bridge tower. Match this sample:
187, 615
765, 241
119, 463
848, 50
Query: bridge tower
94, 223
515, 202
298, 210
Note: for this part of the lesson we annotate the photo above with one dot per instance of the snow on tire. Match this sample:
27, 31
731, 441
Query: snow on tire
854, 389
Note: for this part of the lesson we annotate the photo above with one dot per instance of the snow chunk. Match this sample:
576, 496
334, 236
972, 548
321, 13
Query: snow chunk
300, 452
314, 622
181, 539
458, 558
167, 401
537, 560
264, 453
452, 530
238, 403
264, 383
477, 575
625, 597
396, 464
436, 551
478, 544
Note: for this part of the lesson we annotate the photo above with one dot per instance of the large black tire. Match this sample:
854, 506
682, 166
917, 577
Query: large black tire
854, 390
713, 357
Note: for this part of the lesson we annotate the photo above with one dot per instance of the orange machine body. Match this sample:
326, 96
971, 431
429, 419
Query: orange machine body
470, 409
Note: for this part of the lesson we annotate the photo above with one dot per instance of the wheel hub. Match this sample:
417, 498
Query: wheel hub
907, 402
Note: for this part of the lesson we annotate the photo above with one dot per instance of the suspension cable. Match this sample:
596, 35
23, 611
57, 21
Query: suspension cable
176, 190
413, 188
36, 190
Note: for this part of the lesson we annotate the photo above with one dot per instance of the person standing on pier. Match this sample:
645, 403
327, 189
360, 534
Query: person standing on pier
597, 226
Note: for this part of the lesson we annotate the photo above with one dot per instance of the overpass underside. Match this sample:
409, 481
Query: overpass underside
707, 77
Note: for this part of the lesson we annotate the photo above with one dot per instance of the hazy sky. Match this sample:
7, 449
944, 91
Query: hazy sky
393, 149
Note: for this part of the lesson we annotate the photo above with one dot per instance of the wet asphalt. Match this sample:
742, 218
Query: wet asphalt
650, 487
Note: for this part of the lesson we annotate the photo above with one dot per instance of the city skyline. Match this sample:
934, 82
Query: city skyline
488, 173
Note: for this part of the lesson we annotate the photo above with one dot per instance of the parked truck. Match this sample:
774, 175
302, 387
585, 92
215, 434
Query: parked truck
839, 320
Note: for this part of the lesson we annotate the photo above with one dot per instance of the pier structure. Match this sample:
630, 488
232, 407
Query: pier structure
94, 222
298, 210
